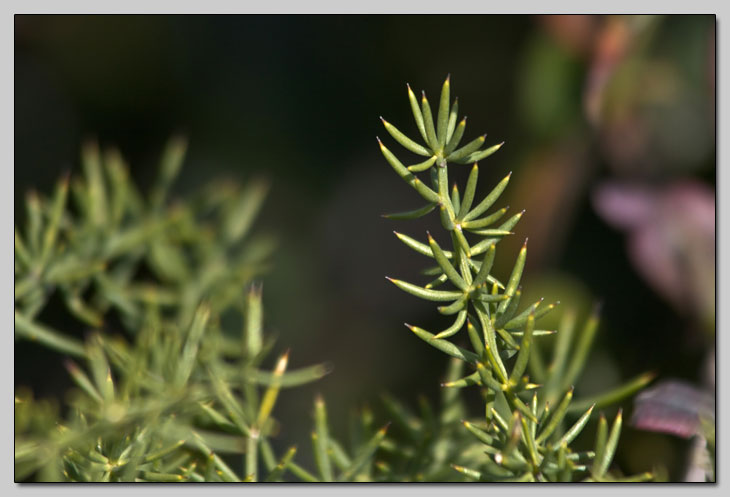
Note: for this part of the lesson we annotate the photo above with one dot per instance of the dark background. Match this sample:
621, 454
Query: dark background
297, 99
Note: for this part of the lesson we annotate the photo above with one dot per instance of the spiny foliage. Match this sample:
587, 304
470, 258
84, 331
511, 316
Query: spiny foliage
523, 433
171, 378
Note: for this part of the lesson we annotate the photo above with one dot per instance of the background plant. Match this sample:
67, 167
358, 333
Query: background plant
166, 389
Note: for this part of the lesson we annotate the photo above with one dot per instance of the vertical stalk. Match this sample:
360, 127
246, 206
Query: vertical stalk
251, 469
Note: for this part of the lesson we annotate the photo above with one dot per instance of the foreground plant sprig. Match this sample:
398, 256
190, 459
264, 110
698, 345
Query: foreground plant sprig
525, 439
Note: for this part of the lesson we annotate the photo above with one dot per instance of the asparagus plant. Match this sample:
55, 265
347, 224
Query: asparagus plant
526, 403
166, 390
168, 349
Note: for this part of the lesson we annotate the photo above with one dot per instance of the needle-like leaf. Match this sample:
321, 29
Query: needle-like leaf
615, 394
431, 138
417, 115
524, 354
47, 336
443, 114
443, 345
455, 197
488, 200
454, 328
537, 309
190, 350
575, 430
422, 166
419, 247
438, 281
414, 214
467, 149
456, 137
409, 178
362, 457
405, 141
269, 399
604, 458
83, 381
453, 116
481, 277
320, 439
477, 156
580, 355
457, 306
601, 438
435, 295
485, 221
467, 381
445, 265
282, 466
514, 278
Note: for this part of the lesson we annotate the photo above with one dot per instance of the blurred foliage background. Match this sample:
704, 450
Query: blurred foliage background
609, 123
